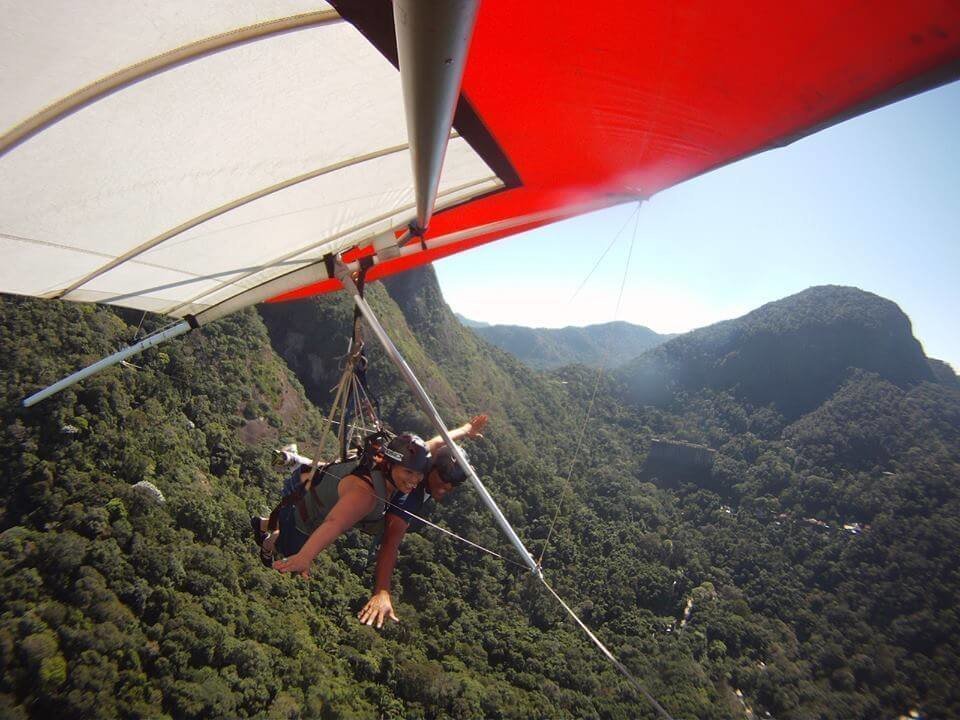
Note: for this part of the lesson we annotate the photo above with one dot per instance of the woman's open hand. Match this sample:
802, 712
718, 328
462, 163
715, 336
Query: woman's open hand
378, 608
476, 425
294, 564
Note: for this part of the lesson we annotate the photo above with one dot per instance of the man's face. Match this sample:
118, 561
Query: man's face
437, 487
405, 480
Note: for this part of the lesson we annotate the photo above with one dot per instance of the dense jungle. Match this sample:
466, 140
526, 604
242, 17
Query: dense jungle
811, 570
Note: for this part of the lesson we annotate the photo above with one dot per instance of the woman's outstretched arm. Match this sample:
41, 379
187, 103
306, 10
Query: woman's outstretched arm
356, 500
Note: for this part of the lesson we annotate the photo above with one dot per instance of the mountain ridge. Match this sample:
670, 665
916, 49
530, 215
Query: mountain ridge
599, 345
792, 352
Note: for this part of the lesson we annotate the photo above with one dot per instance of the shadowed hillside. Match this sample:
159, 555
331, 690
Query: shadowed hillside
462, 373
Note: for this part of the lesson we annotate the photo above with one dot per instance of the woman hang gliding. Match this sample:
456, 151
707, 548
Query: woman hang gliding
407, 472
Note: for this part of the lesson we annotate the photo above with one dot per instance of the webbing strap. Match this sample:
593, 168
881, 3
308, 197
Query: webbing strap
361, 281
274, 519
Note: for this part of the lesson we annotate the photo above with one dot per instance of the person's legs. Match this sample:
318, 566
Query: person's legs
288, 539
268, 540
258, 527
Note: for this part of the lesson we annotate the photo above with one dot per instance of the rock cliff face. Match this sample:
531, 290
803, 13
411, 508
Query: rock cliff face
793, 353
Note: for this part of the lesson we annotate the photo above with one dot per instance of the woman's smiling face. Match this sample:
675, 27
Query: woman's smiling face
405, 480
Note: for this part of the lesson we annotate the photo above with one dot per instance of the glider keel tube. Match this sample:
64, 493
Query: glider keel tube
433, 40
180, 328
426, 404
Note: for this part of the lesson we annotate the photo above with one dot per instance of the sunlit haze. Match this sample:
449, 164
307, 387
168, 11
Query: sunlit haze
872, 203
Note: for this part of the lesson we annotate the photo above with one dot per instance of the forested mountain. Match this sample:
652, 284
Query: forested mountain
467, 322
793, 353
740, 578
604, 345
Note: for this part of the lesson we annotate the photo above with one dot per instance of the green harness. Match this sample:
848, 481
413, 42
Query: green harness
317, 500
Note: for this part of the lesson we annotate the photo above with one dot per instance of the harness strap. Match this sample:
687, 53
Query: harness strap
361, 284
274, 520
357, 361
293, 498
310, 485
358, 401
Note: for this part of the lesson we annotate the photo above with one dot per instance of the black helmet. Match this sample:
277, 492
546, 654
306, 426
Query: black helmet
409, 451
446, 464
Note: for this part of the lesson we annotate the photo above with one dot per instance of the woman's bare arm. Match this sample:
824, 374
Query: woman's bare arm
356, 500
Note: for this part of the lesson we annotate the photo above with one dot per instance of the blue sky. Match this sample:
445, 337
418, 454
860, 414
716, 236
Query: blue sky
873, 202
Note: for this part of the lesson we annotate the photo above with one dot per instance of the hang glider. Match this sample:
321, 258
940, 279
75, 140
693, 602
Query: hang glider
176, 160
203, 158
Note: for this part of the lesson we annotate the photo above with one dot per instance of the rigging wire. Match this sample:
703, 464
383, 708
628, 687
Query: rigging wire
136, 333
341, 391
635, 215
451, 533
596, 641
573, 464
357, 413
609, 655
370, 406
637, 685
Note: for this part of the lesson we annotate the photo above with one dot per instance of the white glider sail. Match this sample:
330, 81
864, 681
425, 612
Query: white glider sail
276, 135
